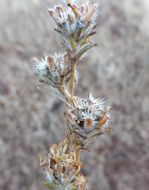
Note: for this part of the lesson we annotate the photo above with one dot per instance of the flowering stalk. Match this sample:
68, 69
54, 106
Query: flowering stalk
85, 118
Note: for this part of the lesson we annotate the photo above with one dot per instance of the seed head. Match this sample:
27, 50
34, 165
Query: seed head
88, 118
63, 168
55, 73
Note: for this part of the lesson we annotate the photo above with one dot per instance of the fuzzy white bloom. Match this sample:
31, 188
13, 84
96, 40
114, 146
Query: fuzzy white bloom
50, 69
64, 19
90, 107
88, 118
75, 23
55, 73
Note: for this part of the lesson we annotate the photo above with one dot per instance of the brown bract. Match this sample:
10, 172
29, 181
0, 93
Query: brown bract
62, 167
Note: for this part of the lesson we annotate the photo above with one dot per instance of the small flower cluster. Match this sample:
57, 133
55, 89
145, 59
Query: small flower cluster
86, 118
73, 18
55, 73
76, 24
63, 168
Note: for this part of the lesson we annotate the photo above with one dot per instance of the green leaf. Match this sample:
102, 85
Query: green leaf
91, 34
72, 43
79, 34
82, 51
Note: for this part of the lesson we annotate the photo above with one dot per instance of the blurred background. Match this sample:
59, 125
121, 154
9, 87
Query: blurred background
31, 118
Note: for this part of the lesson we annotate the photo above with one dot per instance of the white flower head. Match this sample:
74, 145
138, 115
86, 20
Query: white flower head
52, 69
88, 118
55, 73
64, 19
75, 21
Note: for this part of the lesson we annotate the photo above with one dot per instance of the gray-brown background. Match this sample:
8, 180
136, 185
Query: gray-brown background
31, 119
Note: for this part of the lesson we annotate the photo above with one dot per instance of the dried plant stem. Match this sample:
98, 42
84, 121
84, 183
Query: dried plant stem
85, 118
72, 79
